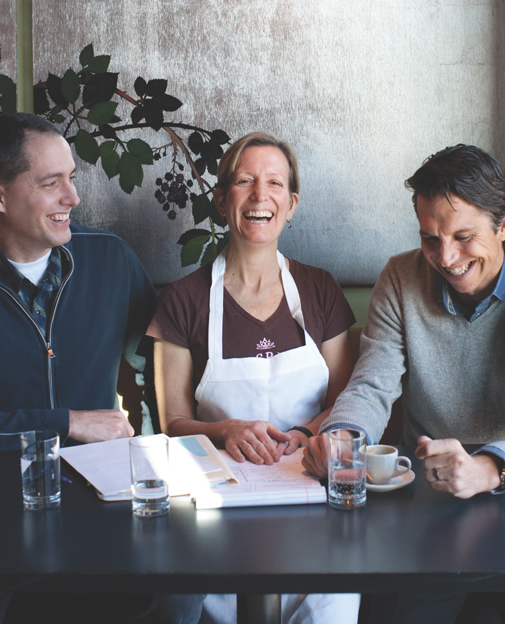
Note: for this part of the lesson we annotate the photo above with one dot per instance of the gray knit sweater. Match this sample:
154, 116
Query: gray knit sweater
450, 372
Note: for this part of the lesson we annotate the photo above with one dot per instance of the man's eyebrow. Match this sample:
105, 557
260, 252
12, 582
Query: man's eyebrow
58, 174
462, 230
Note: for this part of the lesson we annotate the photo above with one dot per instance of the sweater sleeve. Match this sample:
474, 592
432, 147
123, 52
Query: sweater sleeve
376, 381
14, 423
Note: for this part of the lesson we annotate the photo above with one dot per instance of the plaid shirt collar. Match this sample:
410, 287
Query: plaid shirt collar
37, 300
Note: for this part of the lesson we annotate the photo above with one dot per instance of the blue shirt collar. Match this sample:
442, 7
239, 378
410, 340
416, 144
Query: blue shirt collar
448, 296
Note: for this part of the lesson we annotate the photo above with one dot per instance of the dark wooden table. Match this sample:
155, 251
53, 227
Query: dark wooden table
412, 537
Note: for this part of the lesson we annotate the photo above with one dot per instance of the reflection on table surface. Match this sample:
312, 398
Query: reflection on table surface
409, 537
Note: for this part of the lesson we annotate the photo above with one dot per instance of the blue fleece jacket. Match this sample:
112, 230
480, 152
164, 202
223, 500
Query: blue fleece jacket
100, 312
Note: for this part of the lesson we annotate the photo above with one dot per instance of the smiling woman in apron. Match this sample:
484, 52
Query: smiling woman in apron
253, 350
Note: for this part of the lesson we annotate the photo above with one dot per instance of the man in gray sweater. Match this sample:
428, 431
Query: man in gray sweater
436, 333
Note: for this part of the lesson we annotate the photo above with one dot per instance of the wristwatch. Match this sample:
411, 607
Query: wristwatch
306, 431
501, 487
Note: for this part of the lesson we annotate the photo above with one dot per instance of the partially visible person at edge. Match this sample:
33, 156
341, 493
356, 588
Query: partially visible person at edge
435, 335
73, 300
253, 349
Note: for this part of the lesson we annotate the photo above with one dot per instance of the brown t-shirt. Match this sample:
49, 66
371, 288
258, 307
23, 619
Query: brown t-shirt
182, 317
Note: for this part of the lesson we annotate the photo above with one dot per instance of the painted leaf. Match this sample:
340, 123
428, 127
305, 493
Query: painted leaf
142, 150
192, 250
201, 207
126, 185
200, 166
137, 114
70, 86
8, 93
102, 113
99, 88
86, 55
107, 146
220, 137
130, 169
86, 147
195, 142
156, 87
54, 90
170, 103
110, 163
187, 236
99, 64
211, 150
140, 86
40, 101
153, 113
210, 254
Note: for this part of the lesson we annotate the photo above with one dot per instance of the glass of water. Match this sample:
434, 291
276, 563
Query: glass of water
346, 468
149, 472
40, 469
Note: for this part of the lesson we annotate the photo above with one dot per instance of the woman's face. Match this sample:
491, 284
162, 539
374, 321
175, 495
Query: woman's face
258, 203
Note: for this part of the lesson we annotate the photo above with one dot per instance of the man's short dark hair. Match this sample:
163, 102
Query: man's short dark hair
14, 131
467, 172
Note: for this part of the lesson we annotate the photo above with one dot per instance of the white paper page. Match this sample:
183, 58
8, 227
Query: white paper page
106, 465
259, 494
288, 470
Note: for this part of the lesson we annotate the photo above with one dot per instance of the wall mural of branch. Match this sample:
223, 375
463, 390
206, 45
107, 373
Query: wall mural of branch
84, 104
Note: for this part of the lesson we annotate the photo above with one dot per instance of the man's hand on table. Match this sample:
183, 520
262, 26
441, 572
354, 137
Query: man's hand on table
449, 468
315, 456
98, 425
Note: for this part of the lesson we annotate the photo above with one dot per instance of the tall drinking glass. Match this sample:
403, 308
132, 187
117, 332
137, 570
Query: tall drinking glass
346, 468
40, 469
149, 474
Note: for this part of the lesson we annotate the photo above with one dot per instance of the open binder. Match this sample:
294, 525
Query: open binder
194, 464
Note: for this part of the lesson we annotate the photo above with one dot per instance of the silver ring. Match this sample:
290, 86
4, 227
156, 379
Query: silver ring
437, 474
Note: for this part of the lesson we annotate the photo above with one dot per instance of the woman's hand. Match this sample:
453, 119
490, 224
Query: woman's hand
257, 440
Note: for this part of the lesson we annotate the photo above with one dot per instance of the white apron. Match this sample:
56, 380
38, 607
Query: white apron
287, 389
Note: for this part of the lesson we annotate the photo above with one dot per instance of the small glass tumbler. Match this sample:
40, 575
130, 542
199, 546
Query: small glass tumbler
40, 469
149, 475
346, 468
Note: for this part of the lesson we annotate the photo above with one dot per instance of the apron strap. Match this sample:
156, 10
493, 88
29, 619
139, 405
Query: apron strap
291, 292
216, 309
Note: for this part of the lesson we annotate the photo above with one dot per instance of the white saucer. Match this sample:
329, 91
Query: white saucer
394, 484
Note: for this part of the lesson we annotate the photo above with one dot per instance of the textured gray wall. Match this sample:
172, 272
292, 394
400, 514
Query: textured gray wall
8, 37
364, 89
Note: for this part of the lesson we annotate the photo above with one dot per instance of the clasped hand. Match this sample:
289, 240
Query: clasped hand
449, 468
257, 440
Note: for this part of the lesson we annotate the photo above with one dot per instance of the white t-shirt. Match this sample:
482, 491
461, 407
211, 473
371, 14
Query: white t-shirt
35, 270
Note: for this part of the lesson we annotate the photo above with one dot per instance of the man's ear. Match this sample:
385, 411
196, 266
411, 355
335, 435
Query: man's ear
218, 196
2, 198
501, 232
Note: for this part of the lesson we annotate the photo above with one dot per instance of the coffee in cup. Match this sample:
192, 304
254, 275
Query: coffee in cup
383, 463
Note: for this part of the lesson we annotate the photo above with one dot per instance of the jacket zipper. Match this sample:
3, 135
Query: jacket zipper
50, 354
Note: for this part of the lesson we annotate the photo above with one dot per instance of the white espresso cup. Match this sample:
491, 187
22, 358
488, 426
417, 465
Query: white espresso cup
383, 463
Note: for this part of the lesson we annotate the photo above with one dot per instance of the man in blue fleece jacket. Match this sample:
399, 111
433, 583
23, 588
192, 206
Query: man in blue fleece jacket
73, 300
